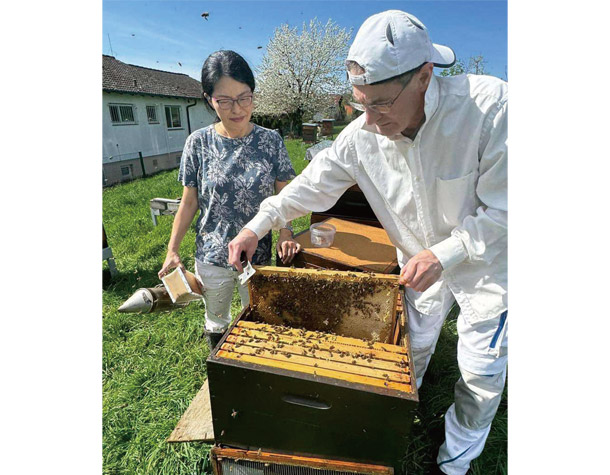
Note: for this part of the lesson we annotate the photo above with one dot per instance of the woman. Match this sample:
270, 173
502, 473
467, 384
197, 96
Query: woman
227, 170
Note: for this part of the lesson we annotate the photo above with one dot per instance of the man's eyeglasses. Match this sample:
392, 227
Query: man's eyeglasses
378, 108
226, 104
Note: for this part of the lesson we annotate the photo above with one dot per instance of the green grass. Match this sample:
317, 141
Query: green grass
153, 365
338, 128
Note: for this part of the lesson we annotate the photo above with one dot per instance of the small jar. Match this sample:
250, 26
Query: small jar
322, 234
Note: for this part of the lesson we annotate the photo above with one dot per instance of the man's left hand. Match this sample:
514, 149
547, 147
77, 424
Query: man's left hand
421, 271
287, 247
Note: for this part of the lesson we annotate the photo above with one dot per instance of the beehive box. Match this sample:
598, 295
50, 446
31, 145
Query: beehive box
227, 461
351, 206
313, 367
310, 132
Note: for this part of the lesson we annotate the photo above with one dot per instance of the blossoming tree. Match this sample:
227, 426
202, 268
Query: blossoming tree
301, 70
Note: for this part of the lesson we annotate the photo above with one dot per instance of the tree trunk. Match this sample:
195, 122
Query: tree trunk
296, 121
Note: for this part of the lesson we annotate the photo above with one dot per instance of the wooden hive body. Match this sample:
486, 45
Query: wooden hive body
279, 387
227, 461
351, 206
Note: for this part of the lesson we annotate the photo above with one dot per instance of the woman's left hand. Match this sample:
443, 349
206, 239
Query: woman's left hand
287, 247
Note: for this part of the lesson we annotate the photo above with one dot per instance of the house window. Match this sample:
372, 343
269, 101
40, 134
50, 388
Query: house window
172, 115
155, 163
151, 113
126, 171
122, 114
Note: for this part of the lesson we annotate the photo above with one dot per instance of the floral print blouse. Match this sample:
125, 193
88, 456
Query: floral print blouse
232, 177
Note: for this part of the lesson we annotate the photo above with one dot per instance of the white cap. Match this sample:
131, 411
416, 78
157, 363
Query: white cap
391, 43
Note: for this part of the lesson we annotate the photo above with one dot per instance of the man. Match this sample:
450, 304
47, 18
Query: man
430, 156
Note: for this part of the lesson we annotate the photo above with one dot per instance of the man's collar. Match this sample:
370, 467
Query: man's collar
431, 100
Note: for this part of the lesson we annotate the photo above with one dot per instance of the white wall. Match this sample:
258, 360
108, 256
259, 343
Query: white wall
150, 139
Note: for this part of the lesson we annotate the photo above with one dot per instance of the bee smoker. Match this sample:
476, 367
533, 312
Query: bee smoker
150, 300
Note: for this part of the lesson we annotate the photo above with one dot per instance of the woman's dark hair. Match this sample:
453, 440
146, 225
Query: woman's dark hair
224, 63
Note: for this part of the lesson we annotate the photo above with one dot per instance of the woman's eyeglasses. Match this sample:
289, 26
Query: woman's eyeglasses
226, 104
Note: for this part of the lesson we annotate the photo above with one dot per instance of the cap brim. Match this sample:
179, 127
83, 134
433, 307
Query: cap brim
442, 56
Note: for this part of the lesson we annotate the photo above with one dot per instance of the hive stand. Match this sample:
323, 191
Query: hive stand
163, 206
107, 254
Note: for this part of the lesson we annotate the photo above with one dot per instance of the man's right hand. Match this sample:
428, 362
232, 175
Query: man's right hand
246, 241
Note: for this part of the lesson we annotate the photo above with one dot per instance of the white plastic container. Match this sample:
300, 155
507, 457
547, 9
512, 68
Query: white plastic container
322, 234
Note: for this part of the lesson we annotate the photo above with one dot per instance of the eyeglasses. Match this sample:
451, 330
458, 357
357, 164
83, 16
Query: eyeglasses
226, 104
378, 108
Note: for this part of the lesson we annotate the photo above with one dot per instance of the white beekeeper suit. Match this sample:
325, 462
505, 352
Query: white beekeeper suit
444, 191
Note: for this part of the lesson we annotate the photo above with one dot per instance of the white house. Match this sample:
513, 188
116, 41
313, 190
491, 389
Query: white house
147, 116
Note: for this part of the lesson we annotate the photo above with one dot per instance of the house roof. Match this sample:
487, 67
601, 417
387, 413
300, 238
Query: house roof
121, 77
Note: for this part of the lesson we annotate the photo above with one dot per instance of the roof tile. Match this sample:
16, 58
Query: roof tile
121, 77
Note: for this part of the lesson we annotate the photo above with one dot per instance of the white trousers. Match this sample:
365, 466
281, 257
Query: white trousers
482, 359
218, 286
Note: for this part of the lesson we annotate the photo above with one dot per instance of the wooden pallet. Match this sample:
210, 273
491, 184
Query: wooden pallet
320, 354
196, 423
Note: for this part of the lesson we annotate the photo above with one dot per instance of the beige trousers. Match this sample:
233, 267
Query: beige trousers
218, 286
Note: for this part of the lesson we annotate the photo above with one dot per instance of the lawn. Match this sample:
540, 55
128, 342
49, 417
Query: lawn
153, 365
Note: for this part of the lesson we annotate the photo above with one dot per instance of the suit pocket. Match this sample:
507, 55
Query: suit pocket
456, 199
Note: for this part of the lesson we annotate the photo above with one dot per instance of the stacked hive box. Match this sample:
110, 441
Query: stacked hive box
229, 461
310, 133
316, 366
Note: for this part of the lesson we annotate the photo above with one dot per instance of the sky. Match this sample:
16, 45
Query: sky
173, 36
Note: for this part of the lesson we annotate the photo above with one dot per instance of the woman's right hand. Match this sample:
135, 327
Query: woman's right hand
171, 262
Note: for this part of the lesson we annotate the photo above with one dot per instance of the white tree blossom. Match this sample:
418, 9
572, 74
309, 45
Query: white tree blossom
301, 70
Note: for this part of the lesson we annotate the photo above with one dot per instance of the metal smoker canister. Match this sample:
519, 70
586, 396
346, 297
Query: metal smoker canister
149, 300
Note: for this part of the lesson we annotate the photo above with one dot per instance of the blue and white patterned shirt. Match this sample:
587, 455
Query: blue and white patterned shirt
232, 177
